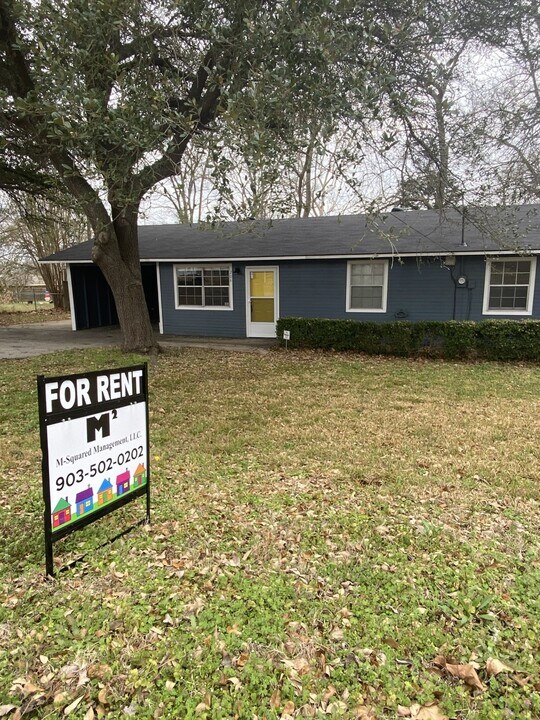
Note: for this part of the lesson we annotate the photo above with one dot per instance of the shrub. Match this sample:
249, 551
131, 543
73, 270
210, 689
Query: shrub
452, 339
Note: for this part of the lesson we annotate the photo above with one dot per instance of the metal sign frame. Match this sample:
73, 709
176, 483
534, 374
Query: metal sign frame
49, 417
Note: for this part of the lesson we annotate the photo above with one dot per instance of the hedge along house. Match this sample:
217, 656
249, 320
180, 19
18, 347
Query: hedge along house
237, 279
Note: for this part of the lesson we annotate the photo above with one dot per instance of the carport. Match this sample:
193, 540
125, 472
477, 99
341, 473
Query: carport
91, 299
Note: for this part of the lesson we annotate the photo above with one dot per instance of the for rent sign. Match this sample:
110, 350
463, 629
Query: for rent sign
94, 438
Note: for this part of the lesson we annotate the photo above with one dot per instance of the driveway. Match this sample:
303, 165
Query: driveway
20, 341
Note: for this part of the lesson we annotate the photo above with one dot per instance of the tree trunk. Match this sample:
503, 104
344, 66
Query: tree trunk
116, 253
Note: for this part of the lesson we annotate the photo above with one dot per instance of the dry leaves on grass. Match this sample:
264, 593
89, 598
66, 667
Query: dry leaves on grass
288, 711
421, 712
465, 672
205, 704
275, 699
6, 709
495, 667
73, 706
63, 688
363, 712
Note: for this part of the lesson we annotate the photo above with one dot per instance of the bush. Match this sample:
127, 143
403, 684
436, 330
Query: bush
452, 339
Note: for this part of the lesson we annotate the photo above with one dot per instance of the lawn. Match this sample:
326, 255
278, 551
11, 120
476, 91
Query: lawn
332, 536
23, 313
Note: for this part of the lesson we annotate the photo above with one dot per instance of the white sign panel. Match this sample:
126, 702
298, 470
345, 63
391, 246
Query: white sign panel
89, 470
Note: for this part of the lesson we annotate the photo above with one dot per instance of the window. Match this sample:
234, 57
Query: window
367, 285
204, 287
509, 286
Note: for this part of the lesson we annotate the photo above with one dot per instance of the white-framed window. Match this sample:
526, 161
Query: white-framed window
509, 286
203, 287
367, 285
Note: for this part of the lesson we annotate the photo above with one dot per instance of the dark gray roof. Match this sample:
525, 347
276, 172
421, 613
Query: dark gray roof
410, 232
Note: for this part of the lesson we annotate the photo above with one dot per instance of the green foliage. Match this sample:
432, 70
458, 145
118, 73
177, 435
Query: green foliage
452, 339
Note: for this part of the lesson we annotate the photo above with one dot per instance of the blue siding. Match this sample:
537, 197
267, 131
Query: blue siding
418, 289
212, 323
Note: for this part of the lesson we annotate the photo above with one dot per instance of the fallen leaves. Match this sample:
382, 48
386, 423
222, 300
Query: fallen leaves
73, 706
65, 689
431, 711
275, 699
288, 710
6, 709
363, 712
465, 672
496, 667
204, 705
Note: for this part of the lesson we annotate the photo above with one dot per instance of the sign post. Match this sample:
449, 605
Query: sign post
286, 337
94, 440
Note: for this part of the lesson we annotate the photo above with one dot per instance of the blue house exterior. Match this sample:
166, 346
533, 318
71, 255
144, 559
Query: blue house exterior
238, 280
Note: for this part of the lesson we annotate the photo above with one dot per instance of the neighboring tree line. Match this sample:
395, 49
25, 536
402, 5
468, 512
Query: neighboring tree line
470, 136
32, 228
240, 109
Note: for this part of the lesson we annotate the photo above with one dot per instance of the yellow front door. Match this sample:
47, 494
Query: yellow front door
262, 302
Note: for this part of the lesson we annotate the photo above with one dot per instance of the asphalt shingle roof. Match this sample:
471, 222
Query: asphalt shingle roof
411, 232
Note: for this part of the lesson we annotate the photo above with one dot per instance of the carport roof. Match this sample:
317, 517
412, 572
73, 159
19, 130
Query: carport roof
396, 233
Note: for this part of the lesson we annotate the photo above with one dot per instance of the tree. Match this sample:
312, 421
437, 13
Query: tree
35, 227
508, 110
107, 96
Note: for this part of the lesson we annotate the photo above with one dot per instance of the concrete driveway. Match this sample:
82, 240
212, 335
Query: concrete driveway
20, 341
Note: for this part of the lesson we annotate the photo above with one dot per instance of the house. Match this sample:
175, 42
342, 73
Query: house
139, 476
122, 483
61, 513
105, 492
84, 501
237, 279
24, 285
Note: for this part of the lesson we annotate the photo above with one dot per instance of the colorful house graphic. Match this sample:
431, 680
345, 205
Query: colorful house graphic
122, 483
139, 476
61, 513
104, 494
84, 501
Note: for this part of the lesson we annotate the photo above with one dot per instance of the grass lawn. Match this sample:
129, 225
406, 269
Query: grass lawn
23, 313
332, 536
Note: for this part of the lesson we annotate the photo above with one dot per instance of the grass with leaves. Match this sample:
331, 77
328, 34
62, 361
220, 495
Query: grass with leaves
331, 536
24, 313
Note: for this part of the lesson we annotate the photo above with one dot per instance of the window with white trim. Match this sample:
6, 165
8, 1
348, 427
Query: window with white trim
367, 285
203, 286
509, 286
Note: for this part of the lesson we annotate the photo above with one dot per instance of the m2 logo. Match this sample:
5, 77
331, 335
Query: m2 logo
99, 424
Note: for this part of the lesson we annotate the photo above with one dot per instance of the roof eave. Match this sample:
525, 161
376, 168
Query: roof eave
337, 256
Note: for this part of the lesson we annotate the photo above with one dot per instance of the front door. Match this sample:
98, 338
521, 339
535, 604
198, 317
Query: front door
262, 301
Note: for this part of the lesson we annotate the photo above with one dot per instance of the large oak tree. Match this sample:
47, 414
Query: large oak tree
105, 96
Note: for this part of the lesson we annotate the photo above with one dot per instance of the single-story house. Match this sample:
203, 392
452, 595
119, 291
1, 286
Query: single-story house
122, 483
61, 513
84, 500
139, 476
105, 492
25, 285
237, 279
